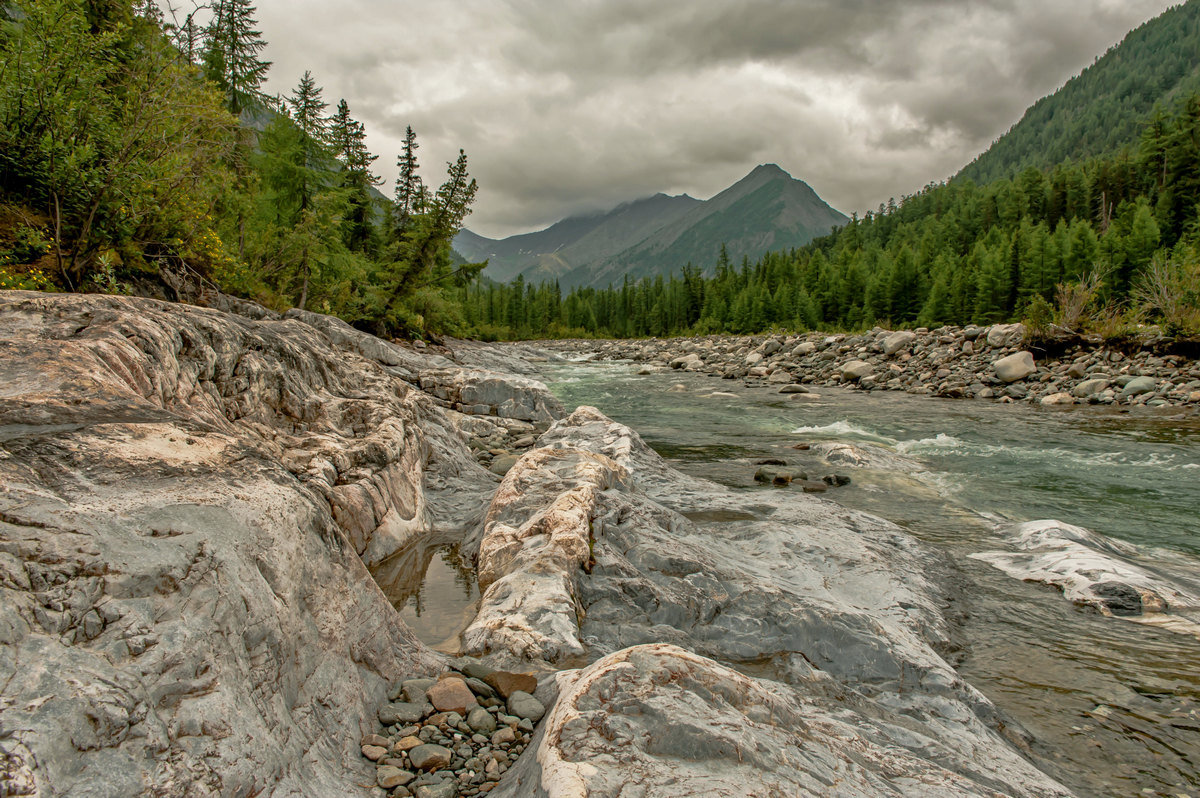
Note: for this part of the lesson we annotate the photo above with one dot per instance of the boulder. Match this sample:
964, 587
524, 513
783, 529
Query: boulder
897, 341
1014, 367
856, 369
452, 695
1138, 386
1003, 335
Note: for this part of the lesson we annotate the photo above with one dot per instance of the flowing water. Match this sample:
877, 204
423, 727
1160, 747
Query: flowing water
1110, 707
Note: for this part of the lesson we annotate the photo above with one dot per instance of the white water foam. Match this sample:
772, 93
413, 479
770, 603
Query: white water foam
843, 429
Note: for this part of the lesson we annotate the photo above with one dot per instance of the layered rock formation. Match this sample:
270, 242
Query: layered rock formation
836, 613
189, 500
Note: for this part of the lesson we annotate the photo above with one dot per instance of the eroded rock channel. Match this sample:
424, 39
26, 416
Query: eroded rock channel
192, 502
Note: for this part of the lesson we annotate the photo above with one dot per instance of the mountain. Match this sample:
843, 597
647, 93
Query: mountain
766, 210
577, 239
1102, 110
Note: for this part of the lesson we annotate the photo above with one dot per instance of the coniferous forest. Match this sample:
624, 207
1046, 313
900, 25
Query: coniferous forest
1122, 230
140, 154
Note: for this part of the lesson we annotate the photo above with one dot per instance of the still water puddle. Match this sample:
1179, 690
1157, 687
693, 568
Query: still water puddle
434, 592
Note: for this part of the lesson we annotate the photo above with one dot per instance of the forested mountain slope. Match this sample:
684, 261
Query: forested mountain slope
1102, 110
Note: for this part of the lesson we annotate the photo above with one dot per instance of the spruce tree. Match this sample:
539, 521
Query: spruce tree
231, 54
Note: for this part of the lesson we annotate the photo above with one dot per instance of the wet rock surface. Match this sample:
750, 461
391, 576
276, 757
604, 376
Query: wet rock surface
1100, 572
996, 362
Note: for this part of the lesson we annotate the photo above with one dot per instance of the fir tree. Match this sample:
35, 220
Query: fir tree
231, 55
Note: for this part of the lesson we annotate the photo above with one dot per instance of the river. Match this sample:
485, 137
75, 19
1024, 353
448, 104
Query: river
1110, 707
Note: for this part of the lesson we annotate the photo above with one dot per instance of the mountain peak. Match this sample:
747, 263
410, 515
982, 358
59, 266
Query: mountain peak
769, 170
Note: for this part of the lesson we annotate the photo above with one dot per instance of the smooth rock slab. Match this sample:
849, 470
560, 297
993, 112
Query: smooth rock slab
677, 724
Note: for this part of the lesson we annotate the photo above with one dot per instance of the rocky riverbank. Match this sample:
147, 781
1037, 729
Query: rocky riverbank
190, 499
996, 362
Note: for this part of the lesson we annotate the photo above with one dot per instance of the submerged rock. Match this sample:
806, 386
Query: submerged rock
1091, 569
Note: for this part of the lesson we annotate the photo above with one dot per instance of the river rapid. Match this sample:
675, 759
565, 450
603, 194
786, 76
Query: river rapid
1108, 706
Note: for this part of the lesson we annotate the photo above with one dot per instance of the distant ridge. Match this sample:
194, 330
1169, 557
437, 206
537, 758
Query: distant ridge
1102, 110
766, 210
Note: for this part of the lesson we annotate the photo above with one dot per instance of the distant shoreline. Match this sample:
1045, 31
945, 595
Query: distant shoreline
997, 362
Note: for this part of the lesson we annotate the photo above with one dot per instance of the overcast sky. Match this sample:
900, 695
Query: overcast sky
570, 105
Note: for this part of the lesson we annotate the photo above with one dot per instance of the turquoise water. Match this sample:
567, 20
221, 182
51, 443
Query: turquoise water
1107, 706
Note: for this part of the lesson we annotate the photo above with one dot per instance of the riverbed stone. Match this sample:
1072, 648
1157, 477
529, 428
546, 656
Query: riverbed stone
403, 712
374, 752
444, 789
481, 721
413, 690
507, 682
389, 776
523, 705
897, 341
1138, 386
430, 757
452, 695
856, 369
1015, 367
1089, 387
1001, 335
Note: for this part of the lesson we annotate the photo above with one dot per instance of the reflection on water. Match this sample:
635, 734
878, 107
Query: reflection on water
434, 592
1111, 707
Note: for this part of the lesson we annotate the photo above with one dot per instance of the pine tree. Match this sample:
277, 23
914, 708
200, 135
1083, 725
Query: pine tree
231, 55
347, 137
410, 192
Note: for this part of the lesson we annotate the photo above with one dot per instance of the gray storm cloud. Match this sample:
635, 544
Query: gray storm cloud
570, 106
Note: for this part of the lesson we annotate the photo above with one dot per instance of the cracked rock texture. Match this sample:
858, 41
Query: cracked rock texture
833, 617
675, 723
188, 502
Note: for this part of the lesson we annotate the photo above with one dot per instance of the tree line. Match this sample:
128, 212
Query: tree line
137, 149
1126, 227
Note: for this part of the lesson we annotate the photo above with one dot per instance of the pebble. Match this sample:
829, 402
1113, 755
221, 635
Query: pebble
457, 737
